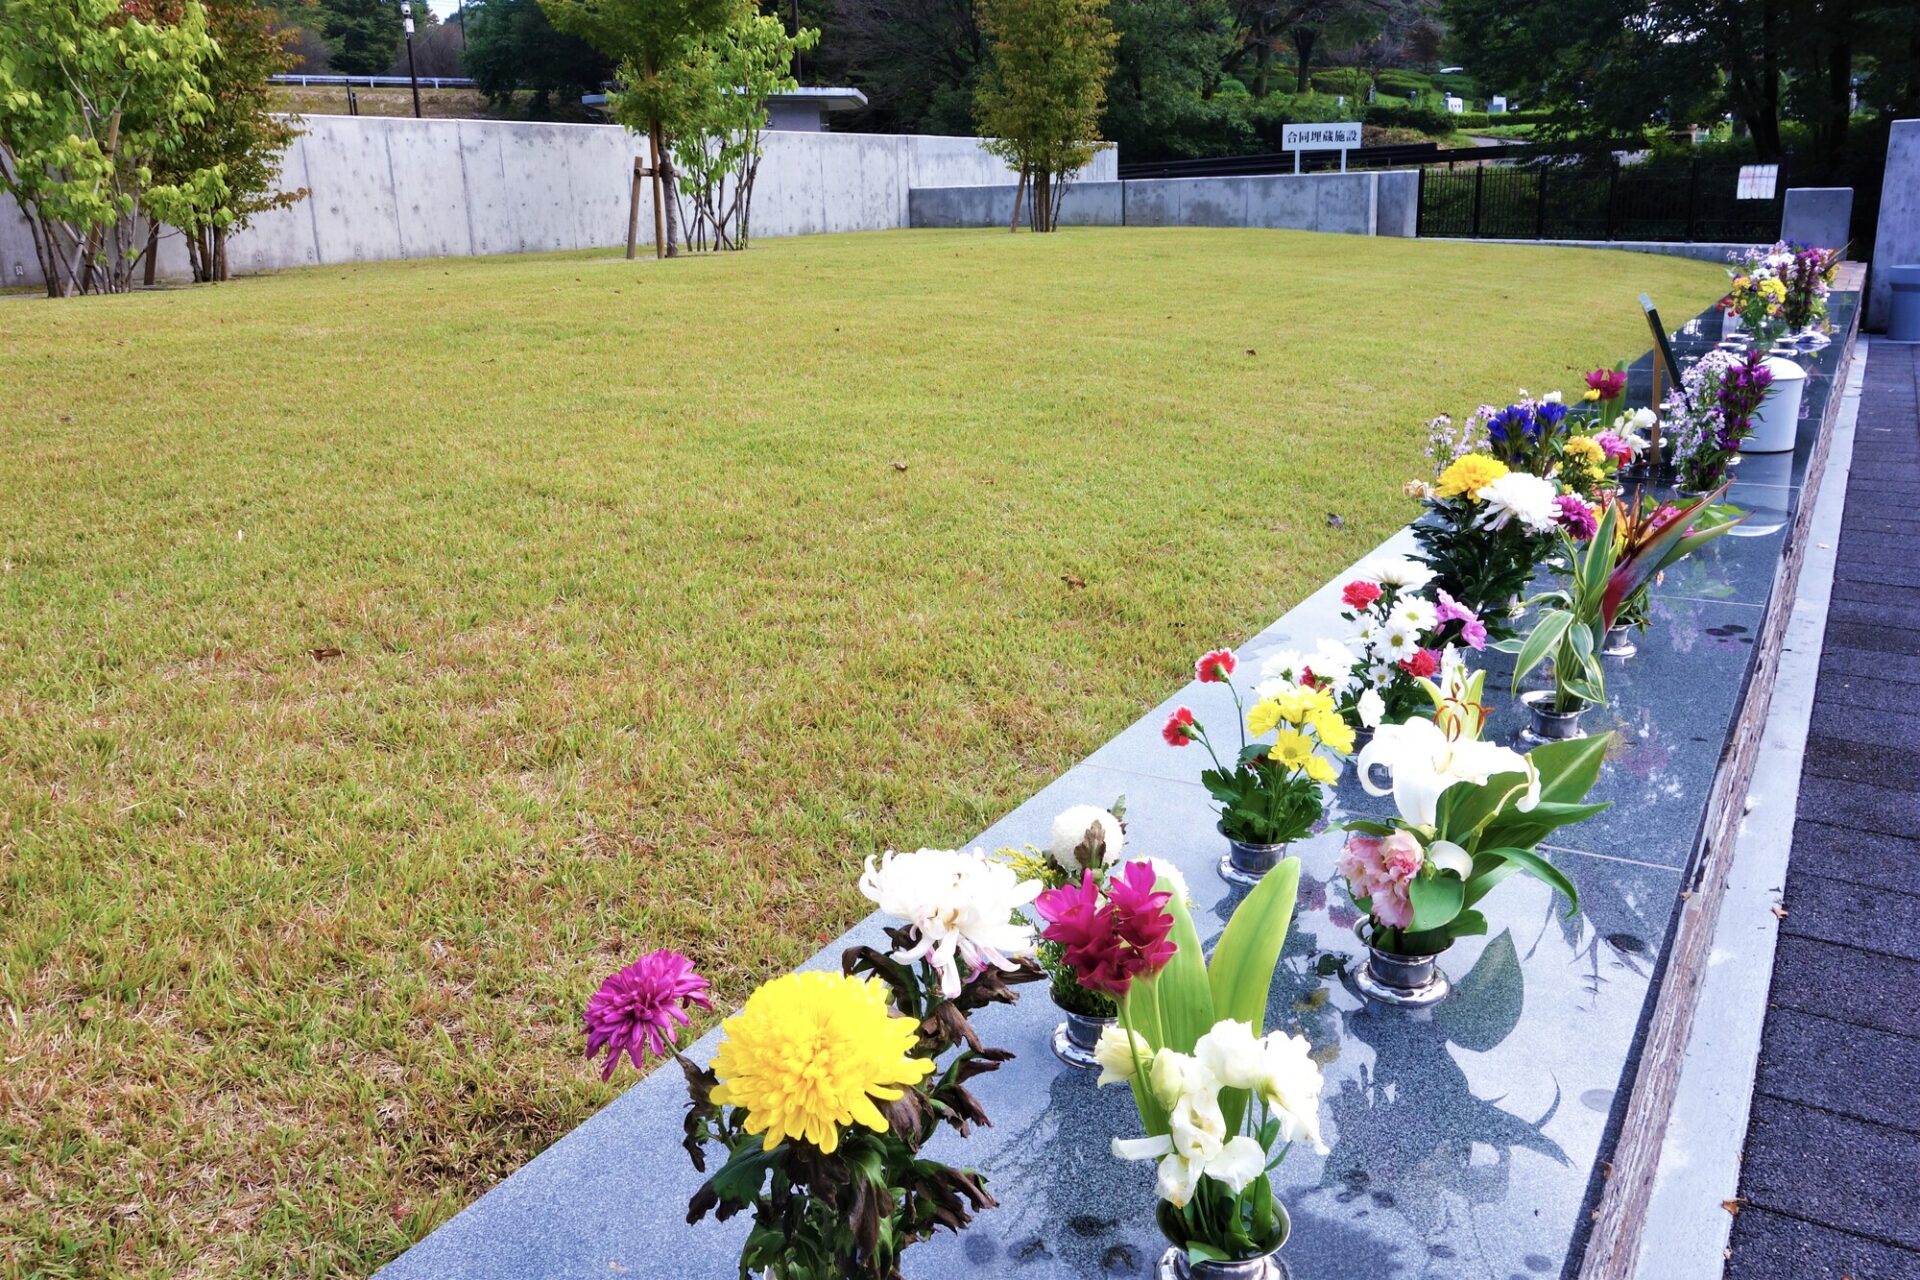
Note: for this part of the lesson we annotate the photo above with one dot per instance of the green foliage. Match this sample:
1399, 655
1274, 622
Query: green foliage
1484, 569
513, 45
1262, 802
717, 143
1573, 629
1168, 96
1039, 101
93, 102
364, 35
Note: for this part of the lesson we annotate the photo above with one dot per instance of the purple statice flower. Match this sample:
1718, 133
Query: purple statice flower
1473, 632
639, 1010
1576, 517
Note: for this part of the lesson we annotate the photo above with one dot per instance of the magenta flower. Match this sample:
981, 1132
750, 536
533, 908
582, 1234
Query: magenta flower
1576, 517
1108, 945
639, 1010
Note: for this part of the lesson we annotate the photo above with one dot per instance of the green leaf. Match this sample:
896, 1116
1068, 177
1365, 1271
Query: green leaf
1540, 869
1545, 637
1241, 975
1466, 807
1568, 769
1436, 899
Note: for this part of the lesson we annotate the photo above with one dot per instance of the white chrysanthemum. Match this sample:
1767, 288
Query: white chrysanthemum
962, 904
1400, 641
1090, 826
1397, 572
1413, 614
1175, 881
1282, 664
1522, 497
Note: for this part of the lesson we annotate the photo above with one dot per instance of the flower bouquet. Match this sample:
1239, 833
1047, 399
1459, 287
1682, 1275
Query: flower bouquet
1706, 425
1809, 279
1486, 529
1085, 840
1271, 793
1220, 1101
1572, 631
825, 1087
1399, 639
1471, 813
1654, 536
1756, 295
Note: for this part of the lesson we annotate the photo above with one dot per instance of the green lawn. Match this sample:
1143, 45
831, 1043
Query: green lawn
387, 652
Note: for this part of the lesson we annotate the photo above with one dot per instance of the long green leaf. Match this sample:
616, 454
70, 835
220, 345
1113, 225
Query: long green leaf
1542, 870
1436, 899
1544, 638
1568, 769
1241, 975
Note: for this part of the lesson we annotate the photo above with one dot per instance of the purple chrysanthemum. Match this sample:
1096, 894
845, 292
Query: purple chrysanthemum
639, 1010
1576, 517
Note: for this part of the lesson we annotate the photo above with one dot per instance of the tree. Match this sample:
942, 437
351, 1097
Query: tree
363, 34
918, 61
511, 44
1167, 73
240, 136
1039, 101
718, 146
653, 42
95, 103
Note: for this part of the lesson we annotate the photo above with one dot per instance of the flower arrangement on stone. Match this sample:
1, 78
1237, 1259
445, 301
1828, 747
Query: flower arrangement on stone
1219, 1098
1809, 279
1269, 793
1571, 629
1399, 638
1723, 390
826, 1087
1757, 293
1654, 536
1470, 813
1085, 841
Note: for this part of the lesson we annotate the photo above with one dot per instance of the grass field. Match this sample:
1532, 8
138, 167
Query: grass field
386, 652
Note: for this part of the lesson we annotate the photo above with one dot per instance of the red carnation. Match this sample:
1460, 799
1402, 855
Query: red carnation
1180, 729
1360, 593
1214, 667
1424, 663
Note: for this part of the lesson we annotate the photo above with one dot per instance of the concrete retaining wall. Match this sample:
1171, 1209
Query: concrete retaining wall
1376, 203
403, 188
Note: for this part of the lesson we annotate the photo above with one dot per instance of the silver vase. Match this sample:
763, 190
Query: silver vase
1245, 864
1548, 725
1411, 982
1175, 1265
1074, 1039
1619, 642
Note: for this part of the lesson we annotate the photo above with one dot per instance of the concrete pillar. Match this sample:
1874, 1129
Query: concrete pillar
1819, 216
1897, 240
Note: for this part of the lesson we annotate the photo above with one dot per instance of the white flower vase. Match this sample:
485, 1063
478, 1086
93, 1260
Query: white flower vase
1776, 425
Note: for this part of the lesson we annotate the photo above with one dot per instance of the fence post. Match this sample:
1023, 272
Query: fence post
1419, 203
1479, 184
1693, 199
1613, 184
1540, 211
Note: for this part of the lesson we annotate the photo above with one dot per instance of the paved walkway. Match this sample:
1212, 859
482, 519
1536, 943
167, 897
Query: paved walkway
1830, 1185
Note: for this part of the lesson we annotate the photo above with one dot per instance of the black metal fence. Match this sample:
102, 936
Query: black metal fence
1588, 198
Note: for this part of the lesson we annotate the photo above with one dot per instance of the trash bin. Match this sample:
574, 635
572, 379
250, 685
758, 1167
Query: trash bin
1903, 316
1776, 425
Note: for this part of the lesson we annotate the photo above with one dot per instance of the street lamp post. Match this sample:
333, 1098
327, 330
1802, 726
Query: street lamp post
406, 23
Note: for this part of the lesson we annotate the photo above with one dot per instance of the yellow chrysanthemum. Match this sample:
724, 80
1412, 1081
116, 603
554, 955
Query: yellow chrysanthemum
1773, 289
1585, 448
1468, 474
1321, 769
810, 1053
1292, 749
1334, 732
1264, 717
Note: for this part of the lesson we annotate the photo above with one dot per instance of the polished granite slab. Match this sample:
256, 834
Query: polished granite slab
1465, 1140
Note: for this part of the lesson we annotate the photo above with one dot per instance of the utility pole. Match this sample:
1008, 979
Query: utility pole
406, 24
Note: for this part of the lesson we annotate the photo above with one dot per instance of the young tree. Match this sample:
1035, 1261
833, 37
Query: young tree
717, 150
653, 41
1039, 101
511, 45
240, 135
94, 104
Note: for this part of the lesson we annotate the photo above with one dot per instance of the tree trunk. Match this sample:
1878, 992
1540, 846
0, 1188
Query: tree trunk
152, 255
220, 253
1019, 195
1303, 42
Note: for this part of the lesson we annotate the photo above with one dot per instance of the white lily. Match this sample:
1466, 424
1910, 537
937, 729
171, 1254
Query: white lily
1424, 762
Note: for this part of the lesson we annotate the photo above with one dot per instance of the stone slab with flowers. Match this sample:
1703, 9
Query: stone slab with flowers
1467, 1138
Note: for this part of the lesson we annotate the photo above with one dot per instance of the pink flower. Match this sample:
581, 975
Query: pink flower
1378, 869
1180, 728
1360, 593
1214, 667
639, 1010
1473, 632
1616, 448
1608, 382
1109, 945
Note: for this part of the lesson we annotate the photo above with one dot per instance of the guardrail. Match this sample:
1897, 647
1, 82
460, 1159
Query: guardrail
376, 82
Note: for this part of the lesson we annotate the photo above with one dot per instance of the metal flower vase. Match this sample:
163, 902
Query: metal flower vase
1410, 982
1176, 1265
1246, 864
1619, 642
1548, 725
1074, 1039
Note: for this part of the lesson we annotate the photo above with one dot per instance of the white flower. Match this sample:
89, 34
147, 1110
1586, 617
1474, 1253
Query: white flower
1119, 1052
1196, 1143
1289, 1083
1552, 397
1085, 827
1643, 420
1401, 641
1522, 497
1424, 762
1414, 614
1232, 1053
1398, 572
1175, 880
1282, 664
1371, 708
962, 905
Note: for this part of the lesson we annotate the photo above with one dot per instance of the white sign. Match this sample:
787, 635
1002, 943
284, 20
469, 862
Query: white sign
1757, 181
1319, 137
1458, 106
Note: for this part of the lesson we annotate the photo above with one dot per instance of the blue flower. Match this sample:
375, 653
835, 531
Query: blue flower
1509, 423
1548, 417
